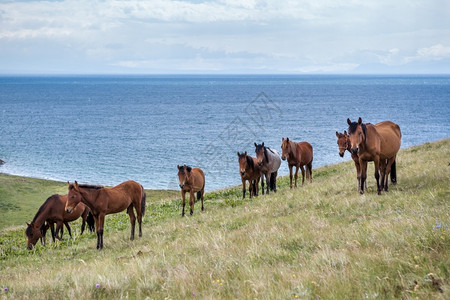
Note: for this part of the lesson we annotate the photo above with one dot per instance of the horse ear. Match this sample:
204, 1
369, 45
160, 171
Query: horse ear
28, 224
75, 185
263, 144
255, 145
282, 139
245, 153
359, 121
287, 140
345, 132
337, 134
178, 167
238, 153
348, 121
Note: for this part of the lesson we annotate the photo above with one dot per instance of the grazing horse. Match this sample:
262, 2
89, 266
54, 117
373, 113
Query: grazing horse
104, 201
378, 143
191, 180
249, 170
269, 162
52, 211
297, 154
344, 144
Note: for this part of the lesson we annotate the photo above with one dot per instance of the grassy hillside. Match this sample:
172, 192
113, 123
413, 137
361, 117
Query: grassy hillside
321, 240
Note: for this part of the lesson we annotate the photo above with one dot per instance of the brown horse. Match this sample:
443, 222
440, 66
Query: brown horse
344, 144
104, 201
51, 212
249, 170
297, 154
378, 143
191, 180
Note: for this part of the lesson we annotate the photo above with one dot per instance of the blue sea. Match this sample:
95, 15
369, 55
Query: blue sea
108, 129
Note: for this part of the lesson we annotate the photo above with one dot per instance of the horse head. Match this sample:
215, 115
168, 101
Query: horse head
356, 134
285, 148
73, 197
33, 233
261, 154
342, 141
184, 173
245, 162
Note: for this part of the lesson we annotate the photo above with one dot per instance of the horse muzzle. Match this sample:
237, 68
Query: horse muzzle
181, 186
69, 210
341, 154
283, 157
242, 173
355, 150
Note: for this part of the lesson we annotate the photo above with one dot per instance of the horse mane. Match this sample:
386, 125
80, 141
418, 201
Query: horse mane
44, 205
352, 127
265, 154
250, 162
91, 186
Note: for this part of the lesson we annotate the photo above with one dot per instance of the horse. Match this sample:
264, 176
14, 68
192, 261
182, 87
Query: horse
297, 154
269, 162
191, 180
378, 143
249, 170
344, 144
53, 211
104, 201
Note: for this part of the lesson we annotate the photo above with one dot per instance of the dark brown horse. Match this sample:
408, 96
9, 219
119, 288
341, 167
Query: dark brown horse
269, 162
378, 143
53, 211
344, 144
104, 201
249, 171
192, 180
297, 154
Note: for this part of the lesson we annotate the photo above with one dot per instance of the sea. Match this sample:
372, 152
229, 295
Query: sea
106, 129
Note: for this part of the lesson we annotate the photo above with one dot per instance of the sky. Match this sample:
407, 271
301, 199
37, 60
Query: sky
225, 37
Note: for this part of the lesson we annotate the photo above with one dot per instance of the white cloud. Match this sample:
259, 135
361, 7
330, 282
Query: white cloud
289, 36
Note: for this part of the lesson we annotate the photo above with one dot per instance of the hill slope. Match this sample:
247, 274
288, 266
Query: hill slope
321, 240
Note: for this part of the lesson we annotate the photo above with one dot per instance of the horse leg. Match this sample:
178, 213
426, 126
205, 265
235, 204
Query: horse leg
83, 224
309, 166
388, 170
59, 229
274, 180
68, 229
296, 176
363, 175
243, 192
130, 212
191, 201
250, 187
290, 176
376, 163
262, 183
303, 174
52, 230
183, 196
268, 183
202, 193
99, 222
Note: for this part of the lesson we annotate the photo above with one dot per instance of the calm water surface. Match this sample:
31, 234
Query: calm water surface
107, 129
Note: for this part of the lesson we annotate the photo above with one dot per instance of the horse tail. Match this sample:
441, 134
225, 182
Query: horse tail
393, 173
91, 222
144, 196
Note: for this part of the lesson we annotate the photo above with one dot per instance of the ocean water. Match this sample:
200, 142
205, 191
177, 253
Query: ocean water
108, 129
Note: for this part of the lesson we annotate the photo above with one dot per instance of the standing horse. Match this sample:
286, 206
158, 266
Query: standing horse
51, 212
104, 201
191, 180
297, 154
269, 162
249, 170
378, 143
344, 144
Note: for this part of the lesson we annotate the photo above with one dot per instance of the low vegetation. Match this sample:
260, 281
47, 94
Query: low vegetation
323, 240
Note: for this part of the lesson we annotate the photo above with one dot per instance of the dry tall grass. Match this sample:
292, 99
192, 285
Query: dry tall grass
323, 240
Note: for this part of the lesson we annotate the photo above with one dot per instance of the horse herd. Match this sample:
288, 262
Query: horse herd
366, 142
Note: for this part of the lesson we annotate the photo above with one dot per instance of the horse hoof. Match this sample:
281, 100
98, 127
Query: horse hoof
361, 192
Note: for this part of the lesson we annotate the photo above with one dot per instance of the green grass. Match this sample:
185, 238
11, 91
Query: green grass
322, 240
